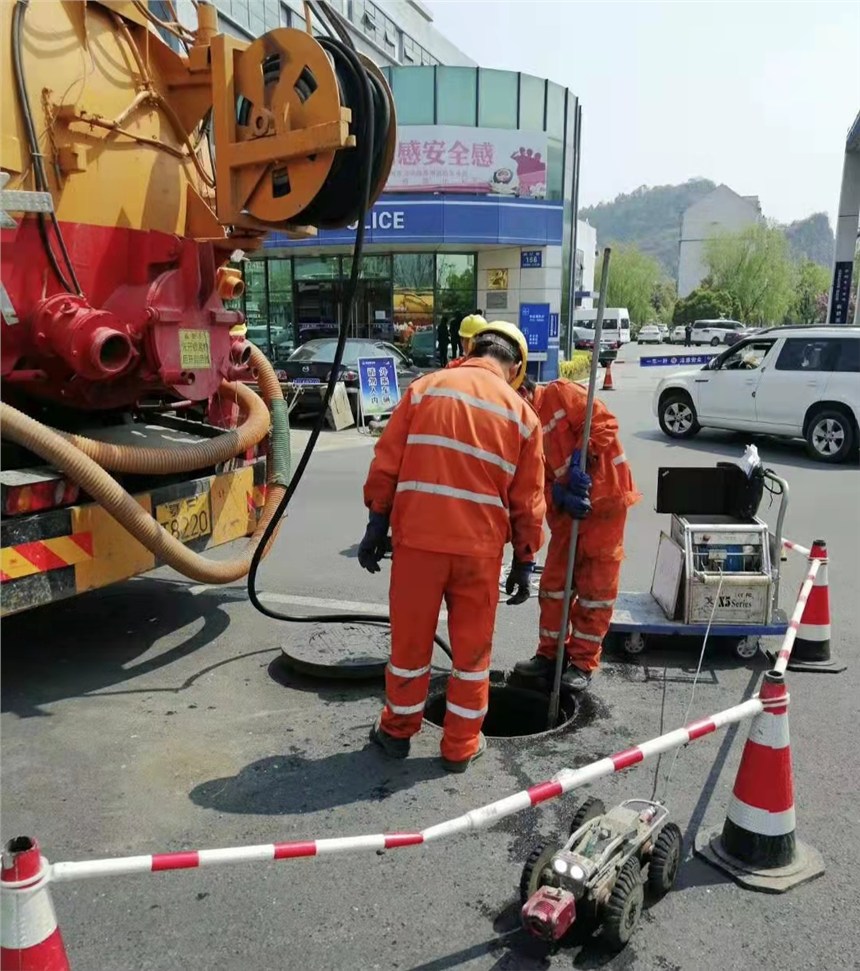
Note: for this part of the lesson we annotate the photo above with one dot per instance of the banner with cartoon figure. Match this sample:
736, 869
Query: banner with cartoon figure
474, 161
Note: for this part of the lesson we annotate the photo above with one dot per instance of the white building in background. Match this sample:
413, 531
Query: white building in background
390, 33
721, 211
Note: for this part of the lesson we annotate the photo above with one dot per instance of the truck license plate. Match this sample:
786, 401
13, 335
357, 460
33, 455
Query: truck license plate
186, 519
306, 381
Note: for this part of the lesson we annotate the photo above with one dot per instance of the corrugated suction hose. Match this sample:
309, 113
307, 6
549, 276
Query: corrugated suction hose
63, 454
140, 460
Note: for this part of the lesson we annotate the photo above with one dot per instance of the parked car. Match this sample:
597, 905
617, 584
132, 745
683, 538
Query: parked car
423, 348
737, 335
796, 382
649, 334
711, 332
308, 368
664, 333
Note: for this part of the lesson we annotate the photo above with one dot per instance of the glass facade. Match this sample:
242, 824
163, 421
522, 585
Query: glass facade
290, 300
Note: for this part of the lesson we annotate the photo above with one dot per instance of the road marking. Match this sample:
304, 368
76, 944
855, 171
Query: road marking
317, 603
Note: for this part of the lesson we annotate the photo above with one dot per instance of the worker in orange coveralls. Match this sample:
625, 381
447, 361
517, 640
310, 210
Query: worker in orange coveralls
459, 472
470, 326
599, 497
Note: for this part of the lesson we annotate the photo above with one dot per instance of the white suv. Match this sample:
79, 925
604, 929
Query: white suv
799, 382
713, 332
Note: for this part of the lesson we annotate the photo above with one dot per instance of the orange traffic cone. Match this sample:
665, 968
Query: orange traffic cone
757, 846
811, 651
30, 939
607, 378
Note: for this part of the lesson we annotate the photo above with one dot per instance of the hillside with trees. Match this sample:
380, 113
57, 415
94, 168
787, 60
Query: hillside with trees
649, 219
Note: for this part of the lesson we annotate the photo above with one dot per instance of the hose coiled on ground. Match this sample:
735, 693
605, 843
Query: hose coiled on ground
67, 456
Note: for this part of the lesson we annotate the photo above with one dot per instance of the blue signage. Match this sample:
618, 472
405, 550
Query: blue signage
531, 259
446, 219
534, 323
377, 381
553, 326
675, 359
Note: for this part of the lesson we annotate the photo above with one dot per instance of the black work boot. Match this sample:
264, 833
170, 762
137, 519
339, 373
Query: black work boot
536, 667
395, 748
575, 679
451, 766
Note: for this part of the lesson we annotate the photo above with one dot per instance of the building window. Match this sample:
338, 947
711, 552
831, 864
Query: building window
414, 94
456, 96
257, 304
532, 102
455, 285
413, 278
282, 336
555, 110
497, 98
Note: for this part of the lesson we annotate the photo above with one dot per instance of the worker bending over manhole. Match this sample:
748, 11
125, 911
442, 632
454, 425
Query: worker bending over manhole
599, 498
457, 473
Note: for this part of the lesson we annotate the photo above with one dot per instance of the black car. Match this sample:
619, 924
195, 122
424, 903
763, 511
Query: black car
307, 369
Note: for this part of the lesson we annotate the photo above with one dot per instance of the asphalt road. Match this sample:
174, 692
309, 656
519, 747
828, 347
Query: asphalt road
154, 716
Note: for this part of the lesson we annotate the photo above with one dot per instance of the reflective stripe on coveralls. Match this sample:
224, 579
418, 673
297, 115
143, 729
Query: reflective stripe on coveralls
561, 408
459, 468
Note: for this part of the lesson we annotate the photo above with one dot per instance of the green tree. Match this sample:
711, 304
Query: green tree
755, 268
810, 286
633, 277
663, 300
704, 303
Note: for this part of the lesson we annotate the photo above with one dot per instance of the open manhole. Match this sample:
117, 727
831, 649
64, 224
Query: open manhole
513, 712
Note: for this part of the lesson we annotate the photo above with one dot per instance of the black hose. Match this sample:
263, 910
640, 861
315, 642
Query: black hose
69, 283
364, 117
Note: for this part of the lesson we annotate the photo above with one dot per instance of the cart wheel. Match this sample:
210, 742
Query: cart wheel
747, 647
537, 871
634, 644
624, 908
590, 809
665, 860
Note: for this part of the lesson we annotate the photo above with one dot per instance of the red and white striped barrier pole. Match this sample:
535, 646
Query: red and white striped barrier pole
788, 640
565, 781
796, 547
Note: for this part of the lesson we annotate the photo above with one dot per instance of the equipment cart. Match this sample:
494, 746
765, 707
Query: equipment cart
718, 567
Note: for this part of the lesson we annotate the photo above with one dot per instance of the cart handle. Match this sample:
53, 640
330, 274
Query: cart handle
776, 543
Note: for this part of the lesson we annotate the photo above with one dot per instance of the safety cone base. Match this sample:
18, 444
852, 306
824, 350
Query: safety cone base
817, 667
807, 865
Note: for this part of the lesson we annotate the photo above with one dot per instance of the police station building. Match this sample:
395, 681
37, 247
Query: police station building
478, 212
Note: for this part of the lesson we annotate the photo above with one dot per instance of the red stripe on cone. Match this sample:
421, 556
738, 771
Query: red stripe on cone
49, 955
764, 778
817, 609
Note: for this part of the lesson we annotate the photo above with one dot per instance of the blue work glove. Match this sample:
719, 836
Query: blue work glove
577, 507
578, 483
375, 544
519, 578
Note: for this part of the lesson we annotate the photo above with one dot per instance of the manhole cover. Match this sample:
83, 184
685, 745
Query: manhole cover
513, 712
338, 651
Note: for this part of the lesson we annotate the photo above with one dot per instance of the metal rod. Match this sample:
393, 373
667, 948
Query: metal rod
564, 781
776, 551
555, 697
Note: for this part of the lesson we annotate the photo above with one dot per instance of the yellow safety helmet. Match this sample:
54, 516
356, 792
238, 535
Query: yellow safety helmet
470, 325
513, 334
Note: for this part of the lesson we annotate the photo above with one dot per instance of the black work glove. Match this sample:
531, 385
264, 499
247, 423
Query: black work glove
520, 579
375, 543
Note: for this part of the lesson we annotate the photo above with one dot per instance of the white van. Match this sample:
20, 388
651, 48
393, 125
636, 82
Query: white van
616, 324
